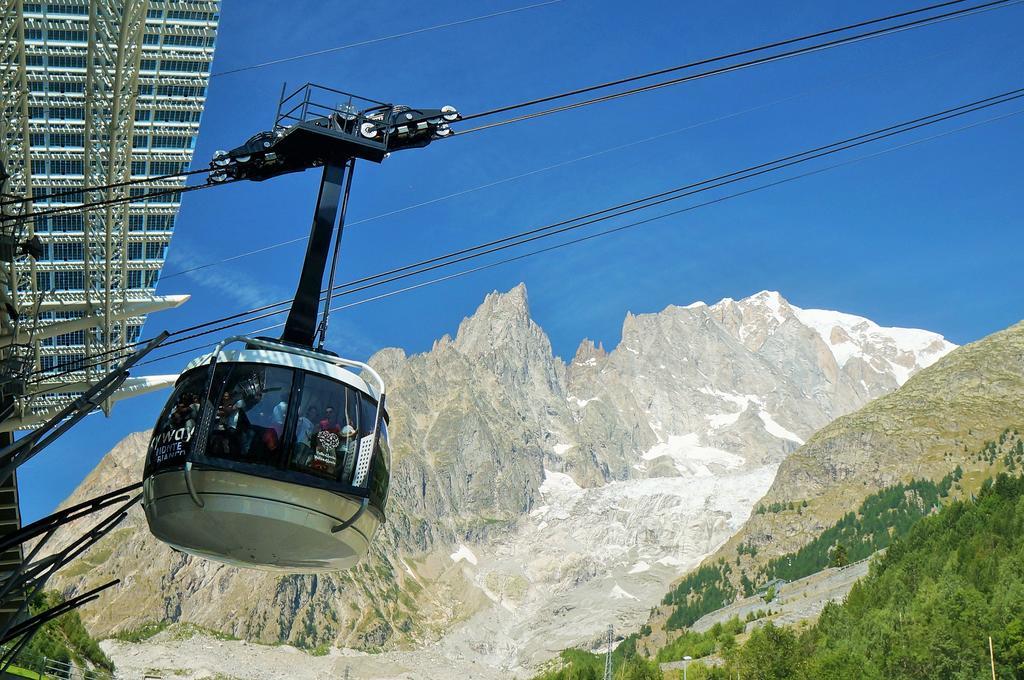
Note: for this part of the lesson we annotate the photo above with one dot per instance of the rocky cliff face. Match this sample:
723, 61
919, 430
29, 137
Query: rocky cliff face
534, 501
936, 421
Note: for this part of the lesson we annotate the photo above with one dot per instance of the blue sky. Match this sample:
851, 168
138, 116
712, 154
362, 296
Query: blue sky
927, 236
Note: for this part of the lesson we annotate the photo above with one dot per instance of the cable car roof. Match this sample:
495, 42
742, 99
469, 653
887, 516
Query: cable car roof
289, 360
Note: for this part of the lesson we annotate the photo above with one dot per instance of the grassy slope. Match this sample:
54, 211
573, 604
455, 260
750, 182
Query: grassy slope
936, 421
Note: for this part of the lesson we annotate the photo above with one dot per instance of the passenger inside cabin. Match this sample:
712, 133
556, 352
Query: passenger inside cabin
330, 421
272, 435
225, 440
304, 436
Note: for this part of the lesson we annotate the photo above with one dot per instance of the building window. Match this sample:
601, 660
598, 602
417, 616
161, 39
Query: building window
142, 115
64, 88
73, 338
160, 223
191, 16
189, 40
184, 66
66, 61
63, 252
67, 9
178, 116
134, 251
151, 39
43, 281
64, 223
136, 222
65, 167
181, 91
39, 167
166, 167
156, 250
73, 197
65, 36
171, 197
68, 281
147, 65
166, 142
68, 360
140, 141
146, 90
66, 139
67, 113
135, 278
138, 167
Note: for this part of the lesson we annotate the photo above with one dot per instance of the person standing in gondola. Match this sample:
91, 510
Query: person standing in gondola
304, 431
330, 421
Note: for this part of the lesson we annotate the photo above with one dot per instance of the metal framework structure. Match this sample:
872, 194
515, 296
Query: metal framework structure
94, 92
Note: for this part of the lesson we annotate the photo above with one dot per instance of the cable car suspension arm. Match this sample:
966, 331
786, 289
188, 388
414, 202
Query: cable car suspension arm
308, 134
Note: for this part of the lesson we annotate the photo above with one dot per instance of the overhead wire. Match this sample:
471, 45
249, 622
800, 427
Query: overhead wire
614, 230
593, 217
523, 175
121, 200
385, 38
993, 4
709, 60
104, 187
933, 19
362, 43
288, 242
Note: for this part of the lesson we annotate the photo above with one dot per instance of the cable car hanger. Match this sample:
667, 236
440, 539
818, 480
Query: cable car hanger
240, 469
307, 134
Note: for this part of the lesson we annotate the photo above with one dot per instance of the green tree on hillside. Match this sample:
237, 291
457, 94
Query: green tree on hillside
839, 556
769, 654
926, 608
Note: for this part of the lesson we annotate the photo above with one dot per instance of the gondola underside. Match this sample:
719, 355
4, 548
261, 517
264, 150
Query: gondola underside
251, 521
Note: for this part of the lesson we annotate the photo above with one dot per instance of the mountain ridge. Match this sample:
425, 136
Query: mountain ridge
934, 422
595, 480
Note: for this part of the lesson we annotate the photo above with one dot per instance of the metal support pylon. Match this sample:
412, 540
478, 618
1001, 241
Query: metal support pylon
608, 656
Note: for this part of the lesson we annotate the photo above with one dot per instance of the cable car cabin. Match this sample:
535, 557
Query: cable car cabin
271, 457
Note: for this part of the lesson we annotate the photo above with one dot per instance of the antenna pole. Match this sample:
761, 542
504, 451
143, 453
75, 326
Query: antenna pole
608, 657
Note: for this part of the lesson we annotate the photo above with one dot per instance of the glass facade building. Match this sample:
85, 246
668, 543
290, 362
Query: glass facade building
103, 92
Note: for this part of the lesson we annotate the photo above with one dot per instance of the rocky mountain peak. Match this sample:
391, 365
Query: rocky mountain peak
753, 319
500, 318
587, 351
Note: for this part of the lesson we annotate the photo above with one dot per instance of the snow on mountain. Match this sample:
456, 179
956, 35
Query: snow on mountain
687, 421
906, 350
